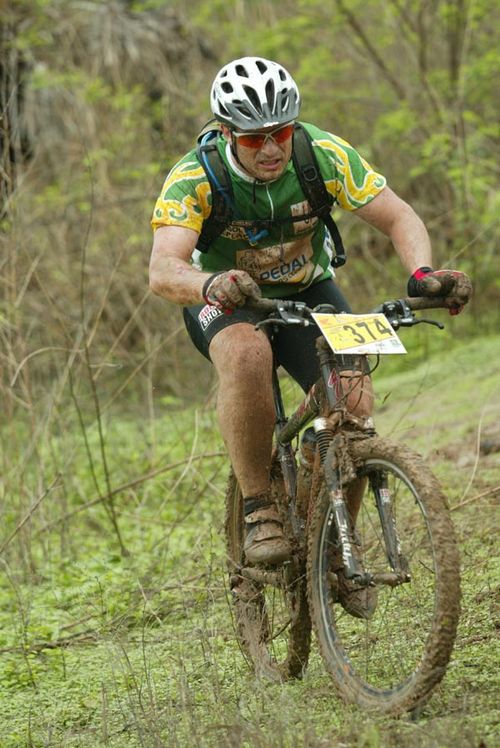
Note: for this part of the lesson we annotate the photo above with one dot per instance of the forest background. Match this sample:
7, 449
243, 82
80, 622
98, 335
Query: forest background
106, 408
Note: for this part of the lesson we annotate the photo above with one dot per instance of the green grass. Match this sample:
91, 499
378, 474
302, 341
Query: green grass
98, 649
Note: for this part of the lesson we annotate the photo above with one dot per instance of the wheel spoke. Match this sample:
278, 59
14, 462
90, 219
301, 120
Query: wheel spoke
389, 662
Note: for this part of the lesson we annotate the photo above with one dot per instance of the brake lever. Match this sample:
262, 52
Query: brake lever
430, 322
289, 319
271, 321
411, 321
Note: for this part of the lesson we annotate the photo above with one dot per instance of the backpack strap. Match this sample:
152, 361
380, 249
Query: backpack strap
314, 189
308, 173
220, 185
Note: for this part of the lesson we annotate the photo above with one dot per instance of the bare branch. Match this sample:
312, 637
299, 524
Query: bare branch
29, 513
482, 495
377, 59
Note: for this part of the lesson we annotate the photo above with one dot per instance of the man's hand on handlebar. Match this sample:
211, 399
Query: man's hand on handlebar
230, 289
454, 286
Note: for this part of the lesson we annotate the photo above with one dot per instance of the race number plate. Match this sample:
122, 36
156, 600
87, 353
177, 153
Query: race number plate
359, 333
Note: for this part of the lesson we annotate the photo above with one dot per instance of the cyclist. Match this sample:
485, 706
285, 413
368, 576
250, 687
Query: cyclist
256, 102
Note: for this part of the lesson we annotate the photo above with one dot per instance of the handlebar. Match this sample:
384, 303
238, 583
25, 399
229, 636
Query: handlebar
399, 312
415, 303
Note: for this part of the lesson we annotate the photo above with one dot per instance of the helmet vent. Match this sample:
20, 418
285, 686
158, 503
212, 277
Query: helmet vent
242, 108
253, 97
270, 93
242, 71
262, 67
227, 87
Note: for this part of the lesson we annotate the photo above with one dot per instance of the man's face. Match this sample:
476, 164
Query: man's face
268, 160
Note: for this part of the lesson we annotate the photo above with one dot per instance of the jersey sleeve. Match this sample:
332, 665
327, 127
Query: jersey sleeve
348, 177
185, 198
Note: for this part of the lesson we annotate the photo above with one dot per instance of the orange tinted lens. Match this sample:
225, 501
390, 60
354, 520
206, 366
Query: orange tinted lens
257, 139
283, 133
252, 140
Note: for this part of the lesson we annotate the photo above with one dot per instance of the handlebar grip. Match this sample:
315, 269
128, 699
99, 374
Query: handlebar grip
261, 304
425, 302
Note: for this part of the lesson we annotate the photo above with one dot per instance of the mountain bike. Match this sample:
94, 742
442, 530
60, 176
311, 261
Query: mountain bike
401, 545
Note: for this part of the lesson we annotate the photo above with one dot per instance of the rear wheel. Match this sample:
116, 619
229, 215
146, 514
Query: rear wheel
391, 662
271, 609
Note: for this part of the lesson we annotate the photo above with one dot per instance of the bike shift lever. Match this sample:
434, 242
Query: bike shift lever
296, 316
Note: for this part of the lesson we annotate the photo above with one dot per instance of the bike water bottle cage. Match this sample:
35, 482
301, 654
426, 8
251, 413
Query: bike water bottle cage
223, 213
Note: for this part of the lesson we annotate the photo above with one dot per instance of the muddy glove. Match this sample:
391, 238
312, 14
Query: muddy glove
453, 285
229, 289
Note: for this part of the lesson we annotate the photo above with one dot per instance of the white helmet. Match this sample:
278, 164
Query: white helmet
252, 92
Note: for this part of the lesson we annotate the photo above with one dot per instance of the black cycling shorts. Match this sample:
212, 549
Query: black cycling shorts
294, 348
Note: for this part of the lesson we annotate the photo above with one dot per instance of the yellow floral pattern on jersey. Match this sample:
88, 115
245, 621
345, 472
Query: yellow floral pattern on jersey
355, 179
195, 206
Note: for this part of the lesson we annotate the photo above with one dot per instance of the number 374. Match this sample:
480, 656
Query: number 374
364, 332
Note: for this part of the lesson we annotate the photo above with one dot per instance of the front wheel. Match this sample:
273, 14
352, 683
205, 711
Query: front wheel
391, 662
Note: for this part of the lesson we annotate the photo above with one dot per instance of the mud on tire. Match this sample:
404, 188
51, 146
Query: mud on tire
392, 662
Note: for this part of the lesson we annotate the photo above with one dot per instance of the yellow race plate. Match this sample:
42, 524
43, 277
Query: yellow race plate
359, 333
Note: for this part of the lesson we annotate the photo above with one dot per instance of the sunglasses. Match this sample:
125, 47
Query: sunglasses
258, 139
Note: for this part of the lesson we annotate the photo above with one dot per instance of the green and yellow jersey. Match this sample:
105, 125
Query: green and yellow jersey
288, 256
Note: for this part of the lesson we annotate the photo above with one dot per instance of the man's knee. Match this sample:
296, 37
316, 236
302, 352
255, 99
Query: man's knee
240, 349
359, 393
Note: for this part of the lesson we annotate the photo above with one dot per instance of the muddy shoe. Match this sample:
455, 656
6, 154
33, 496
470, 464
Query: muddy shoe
360, 602
356, 600
265, 542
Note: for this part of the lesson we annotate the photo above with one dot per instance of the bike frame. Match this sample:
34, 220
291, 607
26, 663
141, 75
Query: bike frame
324, 404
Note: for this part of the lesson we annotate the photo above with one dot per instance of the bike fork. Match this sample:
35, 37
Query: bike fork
383, 500
343, 524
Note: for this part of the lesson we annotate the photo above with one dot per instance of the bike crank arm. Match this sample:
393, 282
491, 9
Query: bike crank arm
261, 576
390, 579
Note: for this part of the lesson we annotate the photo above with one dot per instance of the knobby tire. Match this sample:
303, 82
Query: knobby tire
392, 662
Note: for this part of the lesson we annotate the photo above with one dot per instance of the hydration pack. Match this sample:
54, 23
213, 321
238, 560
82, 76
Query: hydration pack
311, 182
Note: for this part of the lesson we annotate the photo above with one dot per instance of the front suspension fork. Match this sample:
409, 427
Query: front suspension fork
344, 527
342, 518
383, 500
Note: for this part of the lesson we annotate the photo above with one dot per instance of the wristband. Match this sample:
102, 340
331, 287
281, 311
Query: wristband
415, 277
207, 283
420, 272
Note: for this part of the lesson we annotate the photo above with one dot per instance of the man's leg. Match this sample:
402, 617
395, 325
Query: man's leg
243, 359
244, 362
